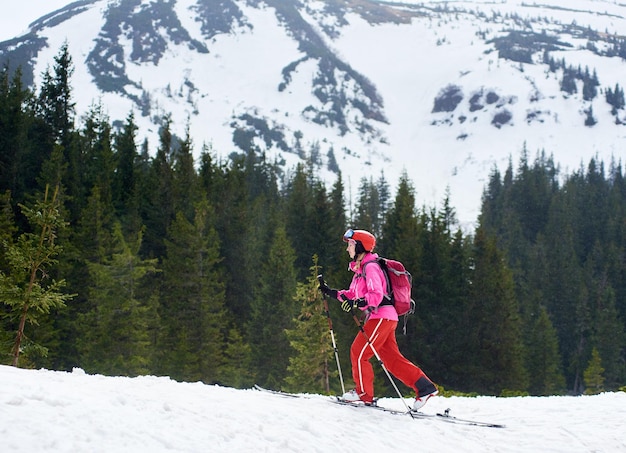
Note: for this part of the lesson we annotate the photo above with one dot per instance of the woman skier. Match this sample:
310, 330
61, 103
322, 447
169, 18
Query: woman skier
367, 293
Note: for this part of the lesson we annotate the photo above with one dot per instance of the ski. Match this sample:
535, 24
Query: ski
338, 400
278, 392
446, 417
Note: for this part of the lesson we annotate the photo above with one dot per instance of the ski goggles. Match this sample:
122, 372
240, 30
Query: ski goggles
347, 236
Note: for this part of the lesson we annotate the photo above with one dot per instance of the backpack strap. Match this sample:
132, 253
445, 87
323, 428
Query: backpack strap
387, 298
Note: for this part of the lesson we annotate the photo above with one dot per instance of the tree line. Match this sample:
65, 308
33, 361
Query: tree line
123, 261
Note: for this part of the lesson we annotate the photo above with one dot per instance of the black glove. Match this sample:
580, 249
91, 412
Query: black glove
325, 289
348, 304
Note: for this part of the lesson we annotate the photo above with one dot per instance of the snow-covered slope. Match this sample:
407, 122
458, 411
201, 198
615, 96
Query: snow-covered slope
442, 90
44, 411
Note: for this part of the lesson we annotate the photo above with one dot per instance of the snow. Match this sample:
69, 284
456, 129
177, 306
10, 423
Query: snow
409, 64
42, 410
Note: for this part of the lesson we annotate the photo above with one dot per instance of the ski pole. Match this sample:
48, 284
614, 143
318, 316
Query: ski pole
320, 279
380, 361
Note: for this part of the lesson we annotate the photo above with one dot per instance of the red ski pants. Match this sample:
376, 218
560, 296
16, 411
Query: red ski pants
382, 335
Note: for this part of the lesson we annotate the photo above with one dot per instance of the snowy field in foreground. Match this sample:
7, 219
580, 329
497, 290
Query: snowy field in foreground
44, 410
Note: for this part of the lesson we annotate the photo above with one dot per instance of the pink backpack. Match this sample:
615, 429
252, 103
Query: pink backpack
399, 282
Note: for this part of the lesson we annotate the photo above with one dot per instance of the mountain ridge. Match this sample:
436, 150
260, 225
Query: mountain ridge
444, 92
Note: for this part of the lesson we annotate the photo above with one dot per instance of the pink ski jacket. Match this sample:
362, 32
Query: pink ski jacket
372, 289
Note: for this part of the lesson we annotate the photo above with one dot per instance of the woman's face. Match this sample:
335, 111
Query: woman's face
351, 248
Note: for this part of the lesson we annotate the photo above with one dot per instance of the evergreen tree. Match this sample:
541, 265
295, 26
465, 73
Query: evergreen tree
384, 197
24, 287
335, 254
494, 340
94, 232
372, 205
192, 300
56, 106
157, 197
615, 98
544, 367
60, 332
125, 176
186, 188
326, 225
333, 266
19, 164
443, 286
433, 288
594, 379
208, 173
608, 332
299, 198
590, 85
400, 231
568, 82
272, 312
311, 368
367, 206
589, 194
543, 358
563, 288
92, 164
453, 357
245, 225
492, 203
8, 229
117, 330
590, 120
236, 371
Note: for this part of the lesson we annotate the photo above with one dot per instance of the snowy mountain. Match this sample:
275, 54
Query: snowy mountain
443, 90
43, 411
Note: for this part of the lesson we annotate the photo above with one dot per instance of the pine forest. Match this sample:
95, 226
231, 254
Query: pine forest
126, 258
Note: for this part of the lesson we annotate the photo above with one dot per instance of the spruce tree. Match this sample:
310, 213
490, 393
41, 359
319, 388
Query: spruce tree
400, 232
366, 208
326, 226
594, 379
185, 183
272, 312
125, 176
227, 191
608, 335
494, 339
372, 205
312, 367
25, 288
564, 291
157, 196
236, 370
8, 229
299, 198
192, 300
443, 286
544, 360
55, 104
116, 332
19, 164
334, 263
